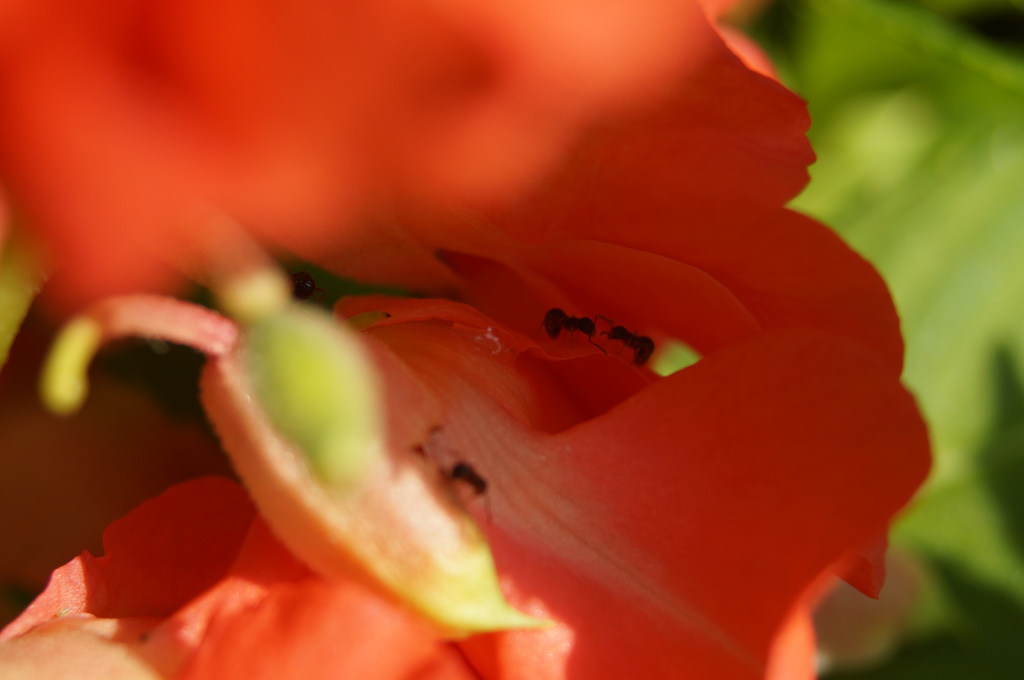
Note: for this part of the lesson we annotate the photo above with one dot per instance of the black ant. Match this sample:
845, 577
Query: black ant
303, 285
465, 472
556, 319
642, 346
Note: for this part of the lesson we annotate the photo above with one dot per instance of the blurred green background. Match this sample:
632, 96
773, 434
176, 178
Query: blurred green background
918, 110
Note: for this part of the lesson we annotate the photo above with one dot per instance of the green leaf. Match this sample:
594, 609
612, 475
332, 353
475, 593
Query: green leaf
919, 127
929, 190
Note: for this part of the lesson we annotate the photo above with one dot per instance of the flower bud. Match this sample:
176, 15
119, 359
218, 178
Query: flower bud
298, 409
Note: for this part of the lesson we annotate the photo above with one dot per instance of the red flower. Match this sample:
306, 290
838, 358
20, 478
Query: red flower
681, 528
215, 573
122, 123
668, 526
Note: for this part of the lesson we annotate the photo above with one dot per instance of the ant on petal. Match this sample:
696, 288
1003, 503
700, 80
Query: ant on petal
642, 346
303, 286
466, 473
556, 320
462, 482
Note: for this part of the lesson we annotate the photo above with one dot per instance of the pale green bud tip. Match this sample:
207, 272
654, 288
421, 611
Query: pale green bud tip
317, 387
259, 294
481, 608
64, 383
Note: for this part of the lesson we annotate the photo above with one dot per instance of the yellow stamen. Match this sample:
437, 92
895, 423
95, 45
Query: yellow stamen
65, 383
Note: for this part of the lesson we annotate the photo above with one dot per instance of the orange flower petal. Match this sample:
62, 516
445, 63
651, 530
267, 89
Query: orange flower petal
706, 287
77, 647
151, 567
293, 118
756, 469
684, 522
317, 630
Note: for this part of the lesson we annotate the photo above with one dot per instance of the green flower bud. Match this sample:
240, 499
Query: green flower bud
337, 494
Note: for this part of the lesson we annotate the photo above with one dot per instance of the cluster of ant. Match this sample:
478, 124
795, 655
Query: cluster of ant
556, 320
